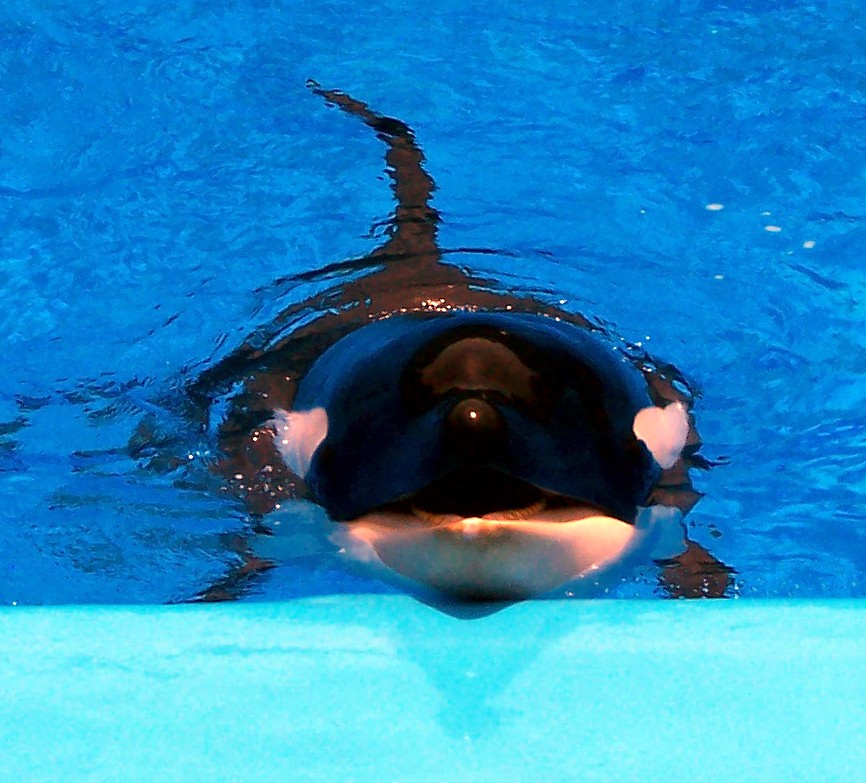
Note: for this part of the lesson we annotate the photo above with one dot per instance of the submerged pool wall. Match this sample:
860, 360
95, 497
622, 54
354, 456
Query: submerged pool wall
385, 688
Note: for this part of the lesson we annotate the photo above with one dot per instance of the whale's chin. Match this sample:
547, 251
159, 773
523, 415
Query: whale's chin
529, 543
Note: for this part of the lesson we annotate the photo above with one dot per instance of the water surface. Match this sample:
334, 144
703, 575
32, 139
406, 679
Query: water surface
159, 168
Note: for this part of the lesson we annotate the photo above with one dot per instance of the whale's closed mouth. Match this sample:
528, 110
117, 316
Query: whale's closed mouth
477, 493
483, 535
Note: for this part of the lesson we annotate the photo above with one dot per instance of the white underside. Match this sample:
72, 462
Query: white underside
505, 558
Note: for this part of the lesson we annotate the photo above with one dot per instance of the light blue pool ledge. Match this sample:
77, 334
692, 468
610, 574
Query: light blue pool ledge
386, 689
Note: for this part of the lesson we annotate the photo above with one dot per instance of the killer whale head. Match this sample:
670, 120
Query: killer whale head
483, 454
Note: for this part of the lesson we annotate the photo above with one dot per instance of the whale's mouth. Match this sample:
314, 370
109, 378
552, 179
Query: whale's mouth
477, 493
484, 535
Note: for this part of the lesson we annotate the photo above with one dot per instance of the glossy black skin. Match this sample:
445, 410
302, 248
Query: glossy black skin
571, 434
415, 399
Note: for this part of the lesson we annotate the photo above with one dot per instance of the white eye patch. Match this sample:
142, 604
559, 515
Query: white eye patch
664, 431
298, 435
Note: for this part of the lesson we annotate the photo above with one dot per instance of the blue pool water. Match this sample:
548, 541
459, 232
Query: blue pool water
161, 167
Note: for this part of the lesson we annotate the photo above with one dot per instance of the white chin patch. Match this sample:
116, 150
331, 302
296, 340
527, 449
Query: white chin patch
511, 559
489, 558
664, 431
298, 435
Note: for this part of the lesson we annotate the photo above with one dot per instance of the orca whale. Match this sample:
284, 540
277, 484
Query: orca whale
461, 439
